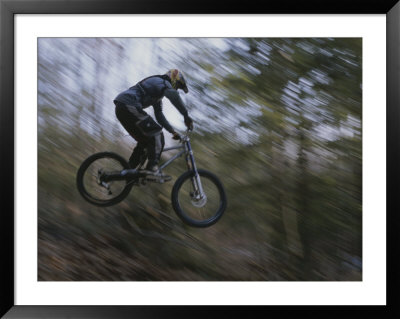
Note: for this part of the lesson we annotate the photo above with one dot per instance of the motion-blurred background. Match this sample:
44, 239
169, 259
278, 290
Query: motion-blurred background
277, 120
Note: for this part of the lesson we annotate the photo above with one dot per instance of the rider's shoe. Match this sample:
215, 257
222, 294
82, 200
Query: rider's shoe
153, 173
151, 170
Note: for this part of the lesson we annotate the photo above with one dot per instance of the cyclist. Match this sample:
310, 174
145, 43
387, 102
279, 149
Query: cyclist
129, 106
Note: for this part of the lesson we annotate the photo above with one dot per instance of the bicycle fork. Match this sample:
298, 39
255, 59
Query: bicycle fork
196, 182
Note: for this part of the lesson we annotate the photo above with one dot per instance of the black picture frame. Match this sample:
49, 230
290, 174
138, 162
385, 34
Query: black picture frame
9, 8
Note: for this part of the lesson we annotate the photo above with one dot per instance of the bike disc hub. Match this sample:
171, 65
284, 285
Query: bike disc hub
198, 201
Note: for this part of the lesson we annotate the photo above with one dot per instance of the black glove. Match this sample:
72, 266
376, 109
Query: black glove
176, 136
188, 122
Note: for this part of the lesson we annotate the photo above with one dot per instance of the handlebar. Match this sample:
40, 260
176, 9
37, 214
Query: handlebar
185, 135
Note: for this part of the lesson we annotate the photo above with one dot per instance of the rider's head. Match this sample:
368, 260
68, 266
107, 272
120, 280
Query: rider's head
177, 80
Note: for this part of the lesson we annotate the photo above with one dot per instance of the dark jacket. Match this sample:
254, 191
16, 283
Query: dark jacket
151, 91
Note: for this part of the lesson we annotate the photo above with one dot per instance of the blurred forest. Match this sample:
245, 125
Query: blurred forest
278, 120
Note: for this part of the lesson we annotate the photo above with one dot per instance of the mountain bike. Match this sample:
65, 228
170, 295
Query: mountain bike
198, 196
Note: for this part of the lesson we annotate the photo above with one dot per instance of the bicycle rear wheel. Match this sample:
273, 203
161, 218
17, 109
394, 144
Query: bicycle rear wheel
194, 209
91, 184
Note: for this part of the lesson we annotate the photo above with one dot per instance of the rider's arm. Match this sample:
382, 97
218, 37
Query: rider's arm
176, 100
161, 118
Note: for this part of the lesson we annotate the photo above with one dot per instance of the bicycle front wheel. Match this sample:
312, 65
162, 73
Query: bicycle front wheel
97, 191
196, 208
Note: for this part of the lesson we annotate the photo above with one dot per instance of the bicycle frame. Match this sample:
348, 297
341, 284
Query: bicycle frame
173, 158
185, 148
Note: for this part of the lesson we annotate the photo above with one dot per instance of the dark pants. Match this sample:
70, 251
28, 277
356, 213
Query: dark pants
146, 131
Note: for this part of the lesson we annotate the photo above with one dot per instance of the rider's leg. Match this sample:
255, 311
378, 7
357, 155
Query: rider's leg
155, 147
128, 117
145, 130
137, 155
